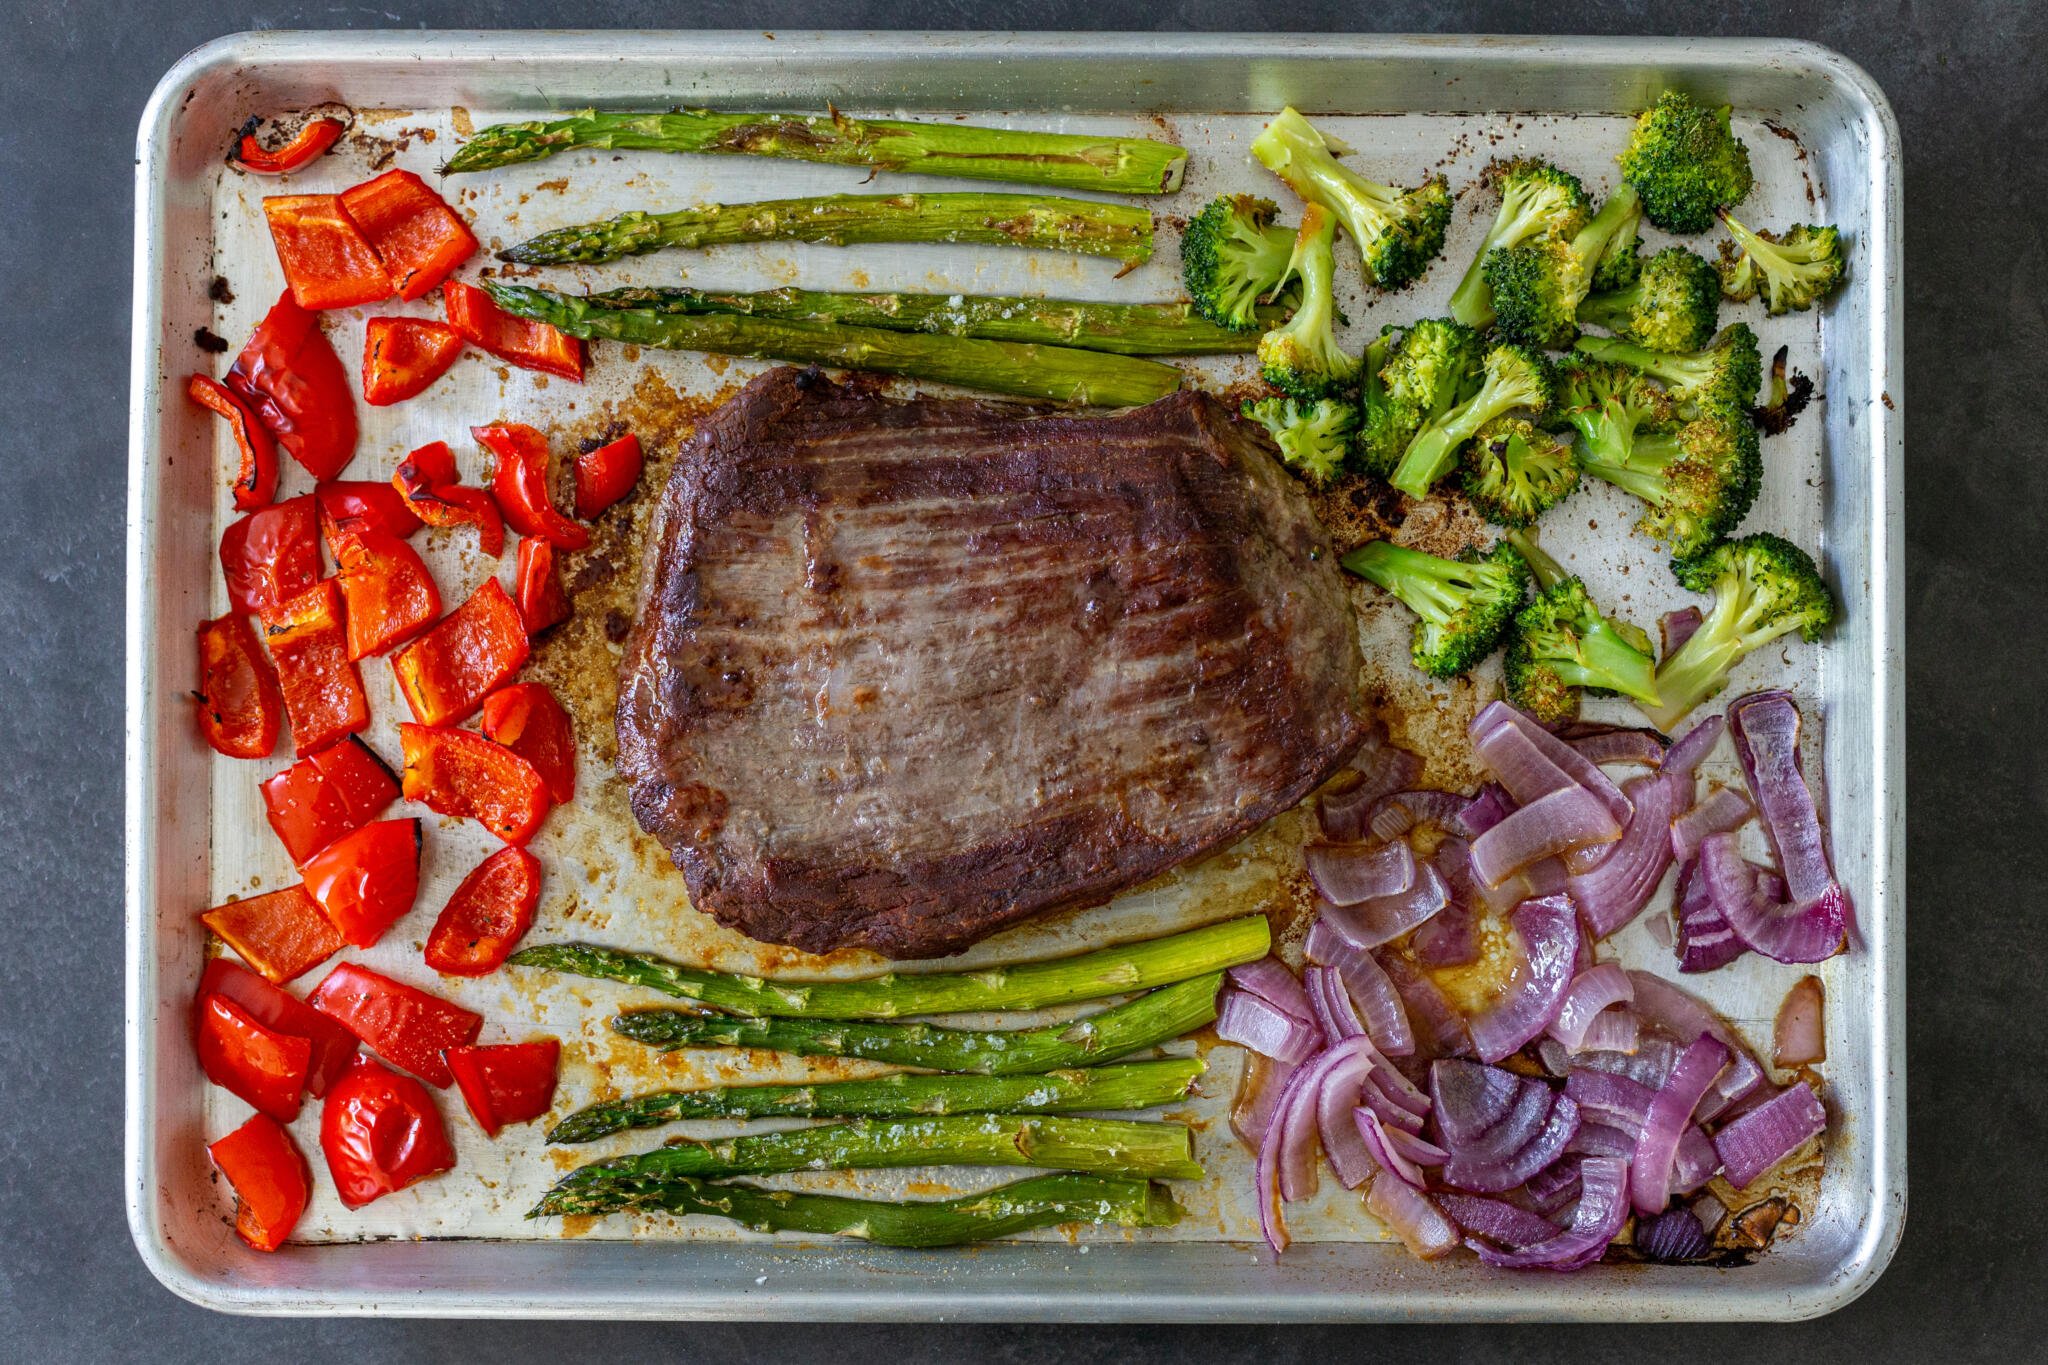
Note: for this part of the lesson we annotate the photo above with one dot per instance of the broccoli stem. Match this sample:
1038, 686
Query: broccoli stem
1615, 214
1546, 571
1606, 660
1701, 666
1682, 372
1428, 586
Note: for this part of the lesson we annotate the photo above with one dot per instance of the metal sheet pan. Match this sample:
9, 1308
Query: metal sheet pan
458, 1246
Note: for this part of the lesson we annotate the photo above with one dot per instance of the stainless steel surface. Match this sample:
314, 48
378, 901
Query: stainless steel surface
1844, 151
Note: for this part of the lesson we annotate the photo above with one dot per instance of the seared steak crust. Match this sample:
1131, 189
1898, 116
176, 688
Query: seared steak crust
906, 672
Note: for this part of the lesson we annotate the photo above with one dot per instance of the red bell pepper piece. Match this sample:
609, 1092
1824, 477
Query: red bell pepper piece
390, 595
254, 1063
334, 792
404, 1025
282, 934
402, 356
506, 1082
271, 1181
323, 692
272, 555
525, 342
306, 146
521, 484
465, 775
446, 673
241, 709
418, 237
487, 916
542, 603
380, 1132
327, 260
607, 474
291, 376
366, 881
282, 1012
256, 481
427, 480
348, 503
527, 719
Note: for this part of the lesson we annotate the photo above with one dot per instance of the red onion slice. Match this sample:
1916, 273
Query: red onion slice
1590, 992
1797, 1038
1335, 1013
1337, 1096
1766, 727
1253, 1022
1524, 771
1258, 1098
1549, 932
1640, 747
1648, 1065
1410, 1215
1270, 979
1769, 1133
1398, 812
1378, 1140
1544, 828
1471, 1100
1705, 942
1414, 1147
1556, 1185
1498, 1176
1600, 1139
1696, 1161
1497, 1221
1377, 1003
1518, 1127
1613, 1030
1676, 627
1348, 874
1439, 1028
1725, 810
1615, 1101
1678, 1013
1295, 1126
1743, 1078
1483, 811
1615, 891
1568, 760
1343, 815
1692, 748
1795, 931
1276, 1158
1668, 1116
1383, 919
1603, 1207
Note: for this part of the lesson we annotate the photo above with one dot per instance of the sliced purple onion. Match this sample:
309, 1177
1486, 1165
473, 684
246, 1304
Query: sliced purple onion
1384, 768
1491, 806
1769, 1133
1616, 889
1378, 1140
1567, 759
1692, 747
1471, 1100
1648, 1065
1497, 1221
1257, 1023
1258, 1098
1705, 942
1335, 1012
1726, 809
1280, 1157
1410, 1215
1615, 1101
1786, 931
1797, 1039
1766, 728
1613, 1030
1676, 627
1337, 1096
1743, 1078
1549, 932
1602, 1209
1590, 992
1272, 981
1518, 1127
1523, 770
1347, 874
1398, 812
1668, 1116
1439, 1028
1505, 1173
1377, 1003
1674, 1235
1696, 1161
1640, 747
1600, 1139
1414, 1147
1383, 919
1679, 1013
1296, 1126
1556, 1185
1565, 819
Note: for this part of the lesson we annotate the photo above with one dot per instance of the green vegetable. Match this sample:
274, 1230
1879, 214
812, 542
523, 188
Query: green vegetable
1539, 284
1515, 472
1463, 606
1087, 226
1673, 304
1685, 161
1793, 272
1233, 255
1699, 480
1301, 357
1314, 436
1536, 199
1412, 377
1060, 373
1398, 232
1561, 642
1619, 264
1122, 165
1764, 587
1728, 369
1513, 377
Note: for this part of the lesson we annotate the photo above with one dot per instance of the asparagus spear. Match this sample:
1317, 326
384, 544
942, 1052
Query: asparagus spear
1033, 985
1125, 165
1152, 1018
1120, 1147
1040, 1201
1059, 373
1120, 328
1090, 227
1138, 1085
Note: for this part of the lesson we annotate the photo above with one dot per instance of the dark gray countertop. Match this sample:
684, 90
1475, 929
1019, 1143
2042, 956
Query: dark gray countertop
1969, 88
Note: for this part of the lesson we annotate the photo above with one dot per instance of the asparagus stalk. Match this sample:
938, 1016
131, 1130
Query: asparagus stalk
1058, 373
1033, 985
1152, 1018
1119, 328
1138, 1085
1089, 227
1041, 1201
1124, 165
1119, 1147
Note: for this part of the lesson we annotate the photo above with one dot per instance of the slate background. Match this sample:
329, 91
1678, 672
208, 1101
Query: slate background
1965, 78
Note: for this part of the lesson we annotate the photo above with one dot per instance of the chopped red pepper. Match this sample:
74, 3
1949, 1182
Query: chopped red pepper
525, 342
521, 484
607, 474
542, 603
334, 792
306, 146
404, 1025
446, 673
487, 916
327, 260
282, 1012
291, 376
418, 237
391, 597
282, 934
256, 481
355, 502
367, 880
506, 1082
253, 1063
402, 356
323, 692
527, 719
272, 555
380, 1132
465, 775
241, 709
271, 1181
427, 480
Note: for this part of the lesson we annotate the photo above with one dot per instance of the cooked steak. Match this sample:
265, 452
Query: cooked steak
906, 672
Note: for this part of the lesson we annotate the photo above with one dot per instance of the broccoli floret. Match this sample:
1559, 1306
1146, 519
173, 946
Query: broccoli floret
1787, 398
1561, 642
1538, 285
1463, 605
1515, 472
1232, 256
1313, 437
1697, 482
1536, 200
1399, 232
1794, 272
1764, 586
1301, 357
1512, 377
1672, 306
1619, 264
1728, 369
1685, 161
1410, 378
1607, 404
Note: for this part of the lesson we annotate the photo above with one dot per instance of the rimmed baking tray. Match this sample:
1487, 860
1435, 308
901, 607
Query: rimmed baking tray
1836, 157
